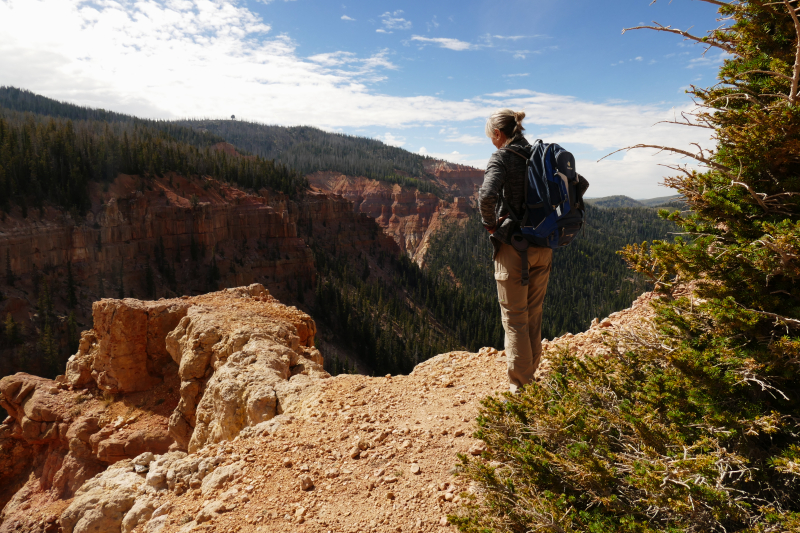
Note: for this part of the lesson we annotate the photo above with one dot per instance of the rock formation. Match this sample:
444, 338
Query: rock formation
241, 430
150, 377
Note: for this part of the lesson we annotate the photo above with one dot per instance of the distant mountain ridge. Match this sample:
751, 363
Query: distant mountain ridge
626, 201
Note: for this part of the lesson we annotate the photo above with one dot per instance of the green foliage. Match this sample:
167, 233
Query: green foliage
691, 423
72, 299
10, 278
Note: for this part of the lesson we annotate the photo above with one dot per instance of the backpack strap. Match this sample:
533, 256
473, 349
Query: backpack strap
511, 212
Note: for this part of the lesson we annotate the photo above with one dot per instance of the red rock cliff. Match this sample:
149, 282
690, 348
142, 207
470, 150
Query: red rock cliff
407, 215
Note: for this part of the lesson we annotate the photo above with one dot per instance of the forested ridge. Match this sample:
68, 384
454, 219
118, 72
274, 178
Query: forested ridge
309, 149
54, 159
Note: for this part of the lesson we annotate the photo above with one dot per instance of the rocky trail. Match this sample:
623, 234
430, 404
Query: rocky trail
222, 419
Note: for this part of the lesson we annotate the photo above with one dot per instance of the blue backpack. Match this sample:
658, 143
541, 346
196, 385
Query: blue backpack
553, 209
553, 212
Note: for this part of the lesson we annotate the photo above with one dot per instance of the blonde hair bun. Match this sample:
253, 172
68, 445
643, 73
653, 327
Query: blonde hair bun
506, 120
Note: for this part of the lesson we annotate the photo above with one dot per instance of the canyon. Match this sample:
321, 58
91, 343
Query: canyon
411, 217
213, 413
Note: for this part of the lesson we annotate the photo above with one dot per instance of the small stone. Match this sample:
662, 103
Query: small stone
390, 495
443, 521
355, 453
210, 511
415, 468
477, 448
459, 433
406, 444
332, 473
306, 483
448, 497
304, 468
287, 462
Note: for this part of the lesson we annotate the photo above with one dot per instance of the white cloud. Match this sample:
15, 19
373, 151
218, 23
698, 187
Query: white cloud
513, 37
521, 75
450, 44
467, 139
455, 157
390, 139
635, 175
345, 17
393, 21
433, 24
709, 60
381, 30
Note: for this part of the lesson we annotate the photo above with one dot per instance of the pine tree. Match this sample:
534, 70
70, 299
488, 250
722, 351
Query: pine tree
73, 335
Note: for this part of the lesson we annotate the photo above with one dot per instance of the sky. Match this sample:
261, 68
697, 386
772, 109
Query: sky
420, 75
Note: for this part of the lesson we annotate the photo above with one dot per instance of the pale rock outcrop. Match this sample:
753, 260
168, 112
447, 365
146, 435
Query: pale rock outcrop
238, 368
126, 350
102, 503
238, 357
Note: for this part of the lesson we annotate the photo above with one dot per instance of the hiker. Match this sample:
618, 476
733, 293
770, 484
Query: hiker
521, 306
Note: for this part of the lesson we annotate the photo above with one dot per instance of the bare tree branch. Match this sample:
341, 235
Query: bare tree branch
686, 35
778, 318
770, 72
753, 193
703, 160
796, 72
718, 3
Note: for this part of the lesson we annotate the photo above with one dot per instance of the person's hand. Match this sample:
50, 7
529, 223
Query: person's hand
492, 229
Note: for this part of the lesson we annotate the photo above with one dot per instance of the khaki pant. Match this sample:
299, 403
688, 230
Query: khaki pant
521, 309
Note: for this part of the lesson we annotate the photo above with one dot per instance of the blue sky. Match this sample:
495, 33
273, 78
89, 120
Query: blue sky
421, 75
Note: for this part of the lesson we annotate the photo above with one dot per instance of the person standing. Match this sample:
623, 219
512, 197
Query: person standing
520, 304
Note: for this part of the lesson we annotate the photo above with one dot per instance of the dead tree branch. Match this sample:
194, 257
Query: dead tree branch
684, 34
696, 157
796, 71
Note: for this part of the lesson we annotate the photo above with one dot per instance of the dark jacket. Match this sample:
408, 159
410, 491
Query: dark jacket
504, 185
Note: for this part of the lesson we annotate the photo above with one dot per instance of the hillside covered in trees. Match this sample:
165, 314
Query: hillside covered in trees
308, 149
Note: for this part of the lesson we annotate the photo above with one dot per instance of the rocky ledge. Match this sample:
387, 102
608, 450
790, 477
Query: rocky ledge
160, 377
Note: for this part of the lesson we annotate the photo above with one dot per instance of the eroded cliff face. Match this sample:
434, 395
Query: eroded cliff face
156, 377
409, 216
184, 222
